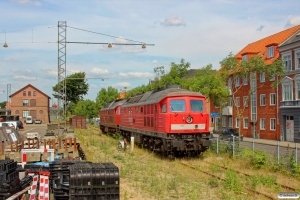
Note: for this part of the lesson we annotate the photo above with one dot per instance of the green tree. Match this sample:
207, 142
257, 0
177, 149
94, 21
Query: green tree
235, 71
104, 96
86, 108
3, 104
76, 87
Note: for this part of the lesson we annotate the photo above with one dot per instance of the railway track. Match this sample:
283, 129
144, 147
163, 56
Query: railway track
252, 191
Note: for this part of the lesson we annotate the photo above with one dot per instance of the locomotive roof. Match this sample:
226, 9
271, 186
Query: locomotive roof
113, 104
155, 96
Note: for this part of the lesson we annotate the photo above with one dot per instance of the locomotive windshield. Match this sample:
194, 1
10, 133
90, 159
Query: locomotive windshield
196, 105
177, 106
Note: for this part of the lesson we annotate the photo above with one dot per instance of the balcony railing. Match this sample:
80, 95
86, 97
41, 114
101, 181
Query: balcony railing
290, 103
227, 110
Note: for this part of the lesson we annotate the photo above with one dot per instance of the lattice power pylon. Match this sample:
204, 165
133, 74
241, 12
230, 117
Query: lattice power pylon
61, 91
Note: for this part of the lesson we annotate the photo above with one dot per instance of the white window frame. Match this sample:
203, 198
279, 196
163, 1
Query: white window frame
297, 86
230, 101
287, 60
270, 51
230, 122
237, 81
230, 82
272, 123
272, 97
246, 121
237, 122
25, 113
245, 80
272, 78
297, 59
237, 101
262, 78
262, 124
245, 101
287, 92
223, 121
262, 100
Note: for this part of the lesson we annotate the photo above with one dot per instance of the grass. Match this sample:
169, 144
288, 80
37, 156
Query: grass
145, 175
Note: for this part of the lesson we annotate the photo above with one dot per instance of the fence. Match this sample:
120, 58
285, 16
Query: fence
276, 153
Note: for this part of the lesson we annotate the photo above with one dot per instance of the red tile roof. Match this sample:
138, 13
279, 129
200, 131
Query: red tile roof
260, 47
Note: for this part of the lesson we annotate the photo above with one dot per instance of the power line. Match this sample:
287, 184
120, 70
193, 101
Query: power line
105, 34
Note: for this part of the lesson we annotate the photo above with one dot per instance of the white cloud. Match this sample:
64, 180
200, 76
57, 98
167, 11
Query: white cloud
134, 49
293, 21
99, 71
154, 61
24, 77
174, 20
10, 60
28, 2
136, 75
122, 85
120, 40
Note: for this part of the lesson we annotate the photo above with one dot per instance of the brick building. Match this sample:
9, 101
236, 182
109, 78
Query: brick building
261, 116
290, 89
30, 101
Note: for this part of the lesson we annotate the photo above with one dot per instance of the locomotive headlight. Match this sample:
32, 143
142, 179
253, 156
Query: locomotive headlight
189, 119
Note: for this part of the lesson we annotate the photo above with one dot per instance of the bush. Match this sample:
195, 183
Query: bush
231, 182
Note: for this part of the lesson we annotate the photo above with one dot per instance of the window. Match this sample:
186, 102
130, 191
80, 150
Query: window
25, 113
196, 105
230, 122
29, 93
34, 93
237, 81
262, 77
230, 101
41, 111
297, 63
213, 120
223, 121
272, 78
287, 62
24, 93
245, 57
262, 124
246, 122
272, 124
270, 51
287, 92
262, 99
245, 80
17, 112
25, 102
237, 124
216, 104
229, 82
272, 99
163, 108
298, 91
237, 101
177, 106
245, 101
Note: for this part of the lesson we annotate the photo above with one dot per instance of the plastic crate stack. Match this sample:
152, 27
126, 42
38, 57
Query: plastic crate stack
9, 178
85, 180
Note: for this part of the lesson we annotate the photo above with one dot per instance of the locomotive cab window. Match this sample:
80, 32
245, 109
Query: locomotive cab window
196, 105
177, 106
164, 108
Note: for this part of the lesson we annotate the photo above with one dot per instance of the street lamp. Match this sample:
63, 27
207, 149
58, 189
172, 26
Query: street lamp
5, 45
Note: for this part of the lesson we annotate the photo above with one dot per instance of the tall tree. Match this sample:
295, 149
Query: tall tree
234, 71
3, 104
86, 108
104, 96
76, 87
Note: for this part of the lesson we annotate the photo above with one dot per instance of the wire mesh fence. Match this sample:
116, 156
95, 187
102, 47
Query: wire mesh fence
277, 154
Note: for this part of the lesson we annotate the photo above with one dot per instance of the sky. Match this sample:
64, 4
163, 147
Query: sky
199, 31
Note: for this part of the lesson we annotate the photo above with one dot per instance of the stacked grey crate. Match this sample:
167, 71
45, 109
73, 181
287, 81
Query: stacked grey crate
85, 180
9, 178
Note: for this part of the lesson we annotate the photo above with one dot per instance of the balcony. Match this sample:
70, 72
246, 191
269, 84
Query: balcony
227, 110
291, 103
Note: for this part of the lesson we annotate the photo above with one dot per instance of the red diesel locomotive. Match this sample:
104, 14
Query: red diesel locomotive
171, 121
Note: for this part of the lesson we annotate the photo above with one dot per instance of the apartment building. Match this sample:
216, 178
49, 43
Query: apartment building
290, 89
30, 101
264, 109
